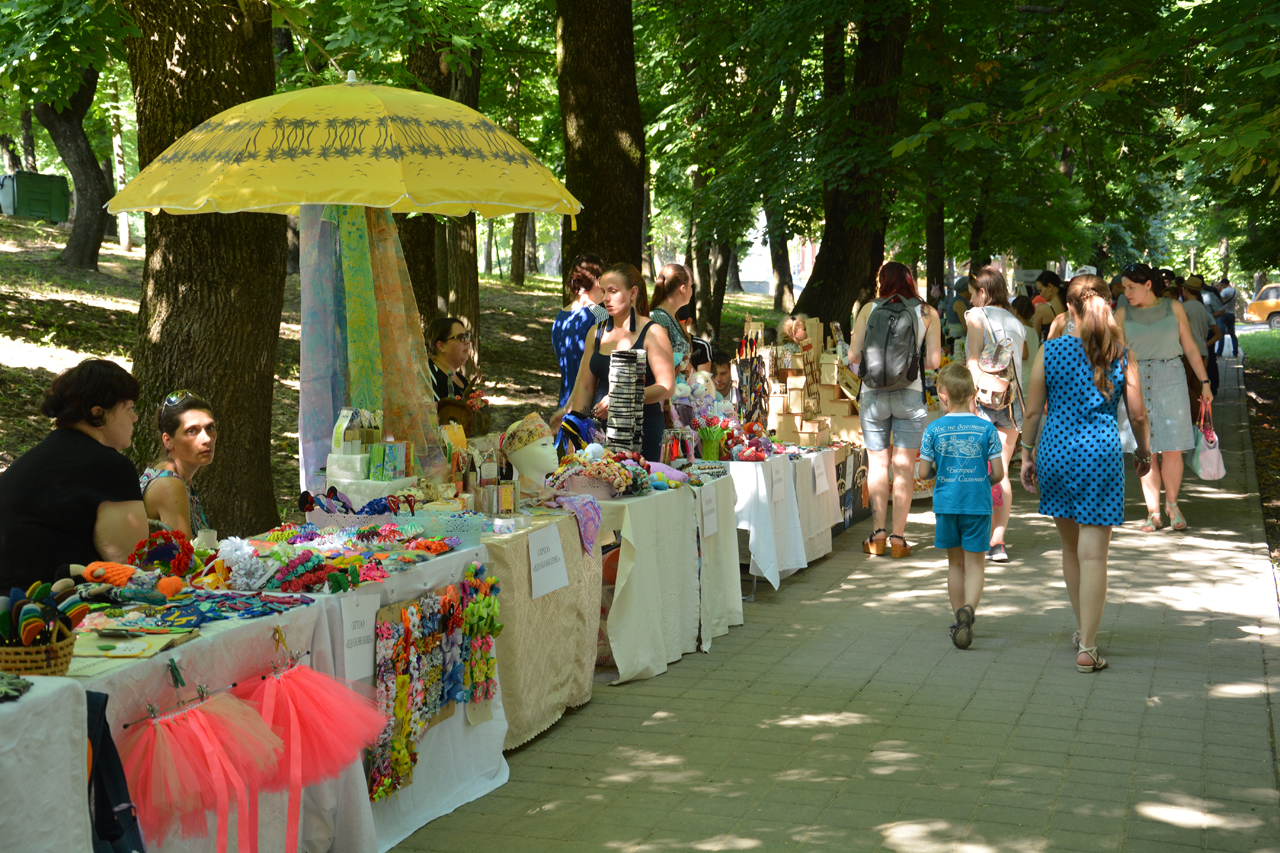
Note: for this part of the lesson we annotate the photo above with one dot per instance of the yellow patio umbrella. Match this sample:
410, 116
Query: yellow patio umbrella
342, 157
350, 143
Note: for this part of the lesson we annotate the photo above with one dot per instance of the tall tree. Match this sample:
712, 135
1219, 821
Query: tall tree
853, 202
603, 134
213, 284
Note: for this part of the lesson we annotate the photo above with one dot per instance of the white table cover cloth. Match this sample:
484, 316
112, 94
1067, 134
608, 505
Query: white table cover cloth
818, 512
654, 618
773, 525
44, 756
720, 581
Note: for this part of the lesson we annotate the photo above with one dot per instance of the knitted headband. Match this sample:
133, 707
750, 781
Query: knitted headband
524, 433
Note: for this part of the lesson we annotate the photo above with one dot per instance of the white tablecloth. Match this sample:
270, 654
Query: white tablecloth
771, 516
654, 618
44, 756
818, 512
720, 580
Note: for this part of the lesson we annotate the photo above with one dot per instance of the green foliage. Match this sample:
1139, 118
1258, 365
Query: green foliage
44, 44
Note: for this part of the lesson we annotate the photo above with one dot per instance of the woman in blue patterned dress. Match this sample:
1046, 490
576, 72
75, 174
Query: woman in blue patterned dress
1076, 463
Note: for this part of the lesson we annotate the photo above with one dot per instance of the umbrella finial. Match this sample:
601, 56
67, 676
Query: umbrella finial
351, 77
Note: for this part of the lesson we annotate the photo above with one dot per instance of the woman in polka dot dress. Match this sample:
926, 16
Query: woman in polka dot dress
1076, 463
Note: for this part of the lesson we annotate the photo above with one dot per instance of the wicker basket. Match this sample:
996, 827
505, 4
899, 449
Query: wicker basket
54, 659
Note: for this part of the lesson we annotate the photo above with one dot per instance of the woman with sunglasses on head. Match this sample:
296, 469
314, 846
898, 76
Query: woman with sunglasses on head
569, 331
450, 345
74, 497
628, 327
1159, 337
188, 434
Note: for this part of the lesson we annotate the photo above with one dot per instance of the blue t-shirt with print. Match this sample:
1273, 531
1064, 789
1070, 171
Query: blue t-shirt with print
960, 446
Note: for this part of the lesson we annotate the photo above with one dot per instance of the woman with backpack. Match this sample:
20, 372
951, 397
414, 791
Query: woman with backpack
888, 339
994, 346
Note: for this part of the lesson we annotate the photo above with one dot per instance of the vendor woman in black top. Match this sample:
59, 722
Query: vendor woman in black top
627, 328
450, 344
74, 498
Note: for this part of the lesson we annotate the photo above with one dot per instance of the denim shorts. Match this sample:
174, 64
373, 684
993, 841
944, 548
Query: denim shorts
896, 415
1010, 417
969, 532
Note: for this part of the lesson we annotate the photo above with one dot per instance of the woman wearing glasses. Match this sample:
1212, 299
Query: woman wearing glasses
74, 497
1159, 337
188, 434
450, 348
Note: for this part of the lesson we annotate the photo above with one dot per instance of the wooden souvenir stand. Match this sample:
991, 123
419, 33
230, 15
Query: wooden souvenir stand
814, 398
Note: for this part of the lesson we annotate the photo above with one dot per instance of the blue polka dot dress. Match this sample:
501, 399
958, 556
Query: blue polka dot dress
1079, 463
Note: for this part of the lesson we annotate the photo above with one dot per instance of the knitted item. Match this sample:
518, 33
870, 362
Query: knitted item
170, 586
116, 574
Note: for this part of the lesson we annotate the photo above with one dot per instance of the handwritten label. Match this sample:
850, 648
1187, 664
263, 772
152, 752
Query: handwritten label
359, 612
546, 561
777, 469
710, 519
820, 483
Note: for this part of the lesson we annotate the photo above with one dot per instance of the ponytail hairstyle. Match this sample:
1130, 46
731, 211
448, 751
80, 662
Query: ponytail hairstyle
1103, 340
670, 278
991, 282
634, 281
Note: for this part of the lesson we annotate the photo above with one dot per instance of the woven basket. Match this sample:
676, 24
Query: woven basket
54, 659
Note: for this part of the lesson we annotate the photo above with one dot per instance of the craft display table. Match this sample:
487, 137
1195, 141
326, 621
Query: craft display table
547, 649
787, 520
660, 598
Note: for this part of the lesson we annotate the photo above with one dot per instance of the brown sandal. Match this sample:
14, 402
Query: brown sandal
873, 546
899, 551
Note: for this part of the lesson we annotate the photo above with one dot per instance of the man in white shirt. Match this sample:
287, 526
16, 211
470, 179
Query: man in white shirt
1227, 319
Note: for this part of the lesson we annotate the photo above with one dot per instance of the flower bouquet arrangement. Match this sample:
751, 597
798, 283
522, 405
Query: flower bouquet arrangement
712, 431
600, 472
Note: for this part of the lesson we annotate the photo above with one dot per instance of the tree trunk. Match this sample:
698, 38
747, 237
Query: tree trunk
852, 246
117, 157
647, 260
700, 269
28, 142
935, 236
213, 285
720, 280
735, 277
293, 248
977, 257
531, 265
603, 130
488, 246
464, 280
518, 230
1224, 256
9, 147
418, 242
108, 175
784, 295
66, 129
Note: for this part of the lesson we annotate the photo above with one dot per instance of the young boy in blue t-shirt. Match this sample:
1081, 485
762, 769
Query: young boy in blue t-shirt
960, 445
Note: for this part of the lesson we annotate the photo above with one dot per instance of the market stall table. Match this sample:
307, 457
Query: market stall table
547, 649
718, 579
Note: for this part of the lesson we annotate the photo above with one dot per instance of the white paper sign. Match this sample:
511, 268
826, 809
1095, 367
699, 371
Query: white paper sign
710, 518
778, 470
359, 613
546, 561
820, 484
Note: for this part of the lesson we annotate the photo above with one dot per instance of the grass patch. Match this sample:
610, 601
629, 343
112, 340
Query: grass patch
1262, 387
1261, 346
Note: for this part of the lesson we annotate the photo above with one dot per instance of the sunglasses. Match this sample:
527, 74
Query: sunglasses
178, 397
465, 338
1137, 272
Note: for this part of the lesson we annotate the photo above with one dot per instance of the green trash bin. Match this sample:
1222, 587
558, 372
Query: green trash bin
35, 195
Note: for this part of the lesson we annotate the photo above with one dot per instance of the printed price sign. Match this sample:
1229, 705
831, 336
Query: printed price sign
359, 613
546, 561
777, 470
820, 483
710, 519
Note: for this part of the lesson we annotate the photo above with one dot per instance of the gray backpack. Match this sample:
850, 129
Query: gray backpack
890, 345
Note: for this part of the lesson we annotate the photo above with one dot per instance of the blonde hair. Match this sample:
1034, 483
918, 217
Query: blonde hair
788, 323
957, 381
1102, 338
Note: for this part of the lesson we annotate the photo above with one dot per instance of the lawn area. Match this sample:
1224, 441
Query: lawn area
1262, 384
52, 317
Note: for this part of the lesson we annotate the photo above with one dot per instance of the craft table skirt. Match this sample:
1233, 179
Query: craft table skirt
457, 762
719, 580
43, 753
818, 511
654, 618
767, 510
547, 649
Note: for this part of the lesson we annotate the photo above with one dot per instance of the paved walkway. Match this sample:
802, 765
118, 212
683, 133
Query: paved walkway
839, 717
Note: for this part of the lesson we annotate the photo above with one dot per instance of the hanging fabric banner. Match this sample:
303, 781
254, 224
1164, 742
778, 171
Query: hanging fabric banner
322, 370
364, 356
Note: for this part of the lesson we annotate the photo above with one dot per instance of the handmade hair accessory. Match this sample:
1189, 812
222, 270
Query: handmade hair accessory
324, 725
168, 549
247, 570
523, 433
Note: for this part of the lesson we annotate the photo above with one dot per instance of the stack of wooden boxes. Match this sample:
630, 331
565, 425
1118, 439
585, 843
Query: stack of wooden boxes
814, 399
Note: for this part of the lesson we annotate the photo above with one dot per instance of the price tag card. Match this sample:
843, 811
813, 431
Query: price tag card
546, 561
820, 483
710, 517
777, 470
359, 613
